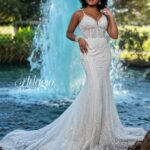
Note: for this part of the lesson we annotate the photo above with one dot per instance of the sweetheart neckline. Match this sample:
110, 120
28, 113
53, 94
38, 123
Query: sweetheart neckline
97, 21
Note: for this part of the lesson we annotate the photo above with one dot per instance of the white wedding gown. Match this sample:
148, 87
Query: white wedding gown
91, 122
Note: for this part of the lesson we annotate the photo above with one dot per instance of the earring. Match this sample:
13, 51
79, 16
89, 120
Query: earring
99, 3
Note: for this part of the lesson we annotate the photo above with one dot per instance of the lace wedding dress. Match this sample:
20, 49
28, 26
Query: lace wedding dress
91, 122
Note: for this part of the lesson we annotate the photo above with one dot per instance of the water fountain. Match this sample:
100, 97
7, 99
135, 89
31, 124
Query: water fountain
59, 59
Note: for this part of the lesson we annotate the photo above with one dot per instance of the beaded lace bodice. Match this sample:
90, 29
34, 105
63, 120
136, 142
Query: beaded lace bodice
92, 28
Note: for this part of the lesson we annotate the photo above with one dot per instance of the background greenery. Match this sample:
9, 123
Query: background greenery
17, 11
134, 31
134, 42
132, 12
134, 38
18, 47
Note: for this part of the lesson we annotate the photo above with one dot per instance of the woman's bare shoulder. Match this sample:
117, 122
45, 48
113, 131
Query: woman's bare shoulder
77, 13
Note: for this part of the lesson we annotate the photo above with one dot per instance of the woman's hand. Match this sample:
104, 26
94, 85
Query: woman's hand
83, 45
107, 12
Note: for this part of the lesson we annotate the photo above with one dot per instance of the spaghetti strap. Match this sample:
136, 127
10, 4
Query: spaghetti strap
83, 11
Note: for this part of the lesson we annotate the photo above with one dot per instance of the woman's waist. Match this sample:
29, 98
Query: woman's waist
96, 40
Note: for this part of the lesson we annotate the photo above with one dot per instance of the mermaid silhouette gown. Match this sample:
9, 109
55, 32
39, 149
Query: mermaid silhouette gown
91, 122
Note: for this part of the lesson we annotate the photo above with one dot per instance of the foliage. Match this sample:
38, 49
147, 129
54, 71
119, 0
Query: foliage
14, 10
23, 38
146, 45
145, 56
134, 38
134, 43
5, 41
139, 59
17, 48
132, 12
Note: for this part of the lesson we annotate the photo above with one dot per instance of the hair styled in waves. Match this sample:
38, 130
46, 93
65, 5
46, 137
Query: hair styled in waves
101, 6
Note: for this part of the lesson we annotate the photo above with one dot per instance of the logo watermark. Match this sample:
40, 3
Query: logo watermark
34, 82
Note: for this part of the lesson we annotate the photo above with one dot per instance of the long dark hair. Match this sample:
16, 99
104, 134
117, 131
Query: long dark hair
99, 7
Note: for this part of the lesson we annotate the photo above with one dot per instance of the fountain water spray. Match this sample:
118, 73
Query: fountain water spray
58, 58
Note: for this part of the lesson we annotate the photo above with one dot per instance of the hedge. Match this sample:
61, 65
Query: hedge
134, 38
17, 48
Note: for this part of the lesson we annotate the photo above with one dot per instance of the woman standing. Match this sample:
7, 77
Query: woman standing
91, 122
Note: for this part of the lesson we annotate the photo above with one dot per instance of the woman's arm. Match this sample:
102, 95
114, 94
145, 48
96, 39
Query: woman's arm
72, 26
112, 28
75, 19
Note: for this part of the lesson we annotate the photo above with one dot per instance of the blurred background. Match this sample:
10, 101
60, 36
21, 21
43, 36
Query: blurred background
34, 48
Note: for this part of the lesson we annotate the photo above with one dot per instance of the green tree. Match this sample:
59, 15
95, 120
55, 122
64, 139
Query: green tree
132, 12
19, 10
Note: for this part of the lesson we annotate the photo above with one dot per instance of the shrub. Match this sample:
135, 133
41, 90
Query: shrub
23, 39
5, 46
133, 38
135, 56
5, 41
16, 48
146, 45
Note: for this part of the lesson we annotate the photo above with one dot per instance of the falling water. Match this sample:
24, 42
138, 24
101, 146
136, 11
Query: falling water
58, 58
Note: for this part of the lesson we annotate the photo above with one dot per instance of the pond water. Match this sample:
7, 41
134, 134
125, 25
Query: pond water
32, 109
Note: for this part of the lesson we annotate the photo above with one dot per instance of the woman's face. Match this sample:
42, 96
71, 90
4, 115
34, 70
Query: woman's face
92, 2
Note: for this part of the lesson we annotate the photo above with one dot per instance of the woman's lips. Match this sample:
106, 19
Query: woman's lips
91, 0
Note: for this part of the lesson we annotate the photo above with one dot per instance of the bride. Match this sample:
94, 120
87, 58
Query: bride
91, 122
